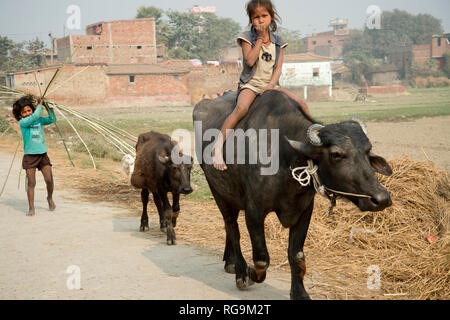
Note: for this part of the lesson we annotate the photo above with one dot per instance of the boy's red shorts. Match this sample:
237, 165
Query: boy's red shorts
35, 161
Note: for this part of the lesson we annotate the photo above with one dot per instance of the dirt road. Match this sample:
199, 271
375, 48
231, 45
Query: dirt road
115, 261
421, 139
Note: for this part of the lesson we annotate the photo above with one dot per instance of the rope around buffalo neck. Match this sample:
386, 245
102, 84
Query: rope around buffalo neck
304, 179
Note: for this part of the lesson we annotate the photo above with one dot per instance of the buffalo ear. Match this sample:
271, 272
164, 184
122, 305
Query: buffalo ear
380, 164
305, 149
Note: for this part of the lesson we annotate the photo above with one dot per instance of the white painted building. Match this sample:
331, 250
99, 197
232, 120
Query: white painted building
306, 70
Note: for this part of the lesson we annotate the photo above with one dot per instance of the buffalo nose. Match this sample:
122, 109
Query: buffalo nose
186, 190
381, 200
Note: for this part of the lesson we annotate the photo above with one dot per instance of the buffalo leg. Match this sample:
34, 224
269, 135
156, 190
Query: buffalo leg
144, 217
255, 225
228, 255
297, 236
176, 208
233, 254
168, 215
159, 207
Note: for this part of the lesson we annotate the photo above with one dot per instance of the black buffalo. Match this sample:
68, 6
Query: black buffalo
345, 163
156, 172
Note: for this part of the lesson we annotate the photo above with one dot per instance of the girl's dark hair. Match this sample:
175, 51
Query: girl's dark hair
20, 104
253, 4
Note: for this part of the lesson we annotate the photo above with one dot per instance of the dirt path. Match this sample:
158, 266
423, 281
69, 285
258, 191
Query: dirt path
115, 260
419, 139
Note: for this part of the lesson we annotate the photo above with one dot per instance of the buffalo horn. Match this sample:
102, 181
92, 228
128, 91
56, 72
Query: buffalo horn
313, 134
361, 123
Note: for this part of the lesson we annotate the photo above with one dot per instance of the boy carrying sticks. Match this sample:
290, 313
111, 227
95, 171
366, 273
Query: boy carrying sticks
35, 149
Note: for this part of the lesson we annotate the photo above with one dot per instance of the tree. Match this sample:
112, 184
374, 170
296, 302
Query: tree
446, 66
150, 12
202, 36
22, 55
293, 38
36, 49
398, 29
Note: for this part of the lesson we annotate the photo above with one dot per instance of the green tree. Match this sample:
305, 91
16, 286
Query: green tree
150, 12
446, 66
398, 29
293, 38
36, 50
21, 55
202, 36
6, 45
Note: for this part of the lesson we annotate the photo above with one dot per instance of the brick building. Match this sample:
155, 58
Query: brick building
120, 63
172, 83
436, 46
113, 42
307, 75
329, 43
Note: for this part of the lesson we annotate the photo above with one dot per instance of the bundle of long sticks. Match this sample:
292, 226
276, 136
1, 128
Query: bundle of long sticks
120, 139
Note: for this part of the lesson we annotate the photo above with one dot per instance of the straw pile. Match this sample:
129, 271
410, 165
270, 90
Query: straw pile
394, 240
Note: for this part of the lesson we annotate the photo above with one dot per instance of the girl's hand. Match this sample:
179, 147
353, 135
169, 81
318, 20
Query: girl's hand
39, 101
269, 87
261, 31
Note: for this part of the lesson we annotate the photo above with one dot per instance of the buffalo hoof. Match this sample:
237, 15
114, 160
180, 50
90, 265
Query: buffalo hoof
143, 226
230, 268
300, 297
244, 283
171, 239
257, 273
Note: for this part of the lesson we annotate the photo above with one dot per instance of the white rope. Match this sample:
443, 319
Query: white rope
304, 179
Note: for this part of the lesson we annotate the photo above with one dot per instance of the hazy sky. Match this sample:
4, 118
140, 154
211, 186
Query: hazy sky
27, 19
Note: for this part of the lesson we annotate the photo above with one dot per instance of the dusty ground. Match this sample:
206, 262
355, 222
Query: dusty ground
116, 261
422, 139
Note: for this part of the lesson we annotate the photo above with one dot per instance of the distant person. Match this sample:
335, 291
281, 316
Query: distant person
34, 147
263, 53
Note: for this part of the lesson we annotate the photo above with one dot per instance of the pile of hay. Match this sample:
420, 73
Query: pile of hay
410, 266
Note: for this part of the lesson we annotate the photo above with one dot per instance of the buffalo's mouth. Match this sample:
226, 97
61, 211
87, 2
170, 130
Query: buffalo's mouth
377, 202
186, 190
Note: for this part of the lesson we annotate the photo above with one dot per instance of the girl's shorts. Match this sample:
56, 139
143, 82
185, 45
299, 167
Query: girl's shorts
35, 161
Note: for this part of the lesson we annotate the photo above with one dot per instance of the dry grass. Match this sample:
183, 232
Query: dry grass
410, 266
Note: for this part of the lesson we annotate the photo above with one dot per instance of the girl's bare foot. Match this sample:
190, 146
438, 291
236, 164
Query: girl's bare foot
218, 161
51, 204
31, 212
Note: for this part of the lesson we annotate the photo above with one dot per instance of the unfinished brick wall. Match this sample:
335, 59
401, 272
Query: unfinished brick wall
114, 42
386, 90
421, 53
64, 49
438, 46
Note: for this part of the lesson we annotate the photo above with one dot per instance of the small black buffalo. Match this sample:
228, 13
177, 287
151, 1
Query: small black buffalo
155, 172
342, 153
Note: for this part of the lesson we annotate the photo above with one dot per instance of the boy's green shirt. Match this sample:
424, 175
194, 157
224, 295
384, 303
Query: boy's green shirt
32, 128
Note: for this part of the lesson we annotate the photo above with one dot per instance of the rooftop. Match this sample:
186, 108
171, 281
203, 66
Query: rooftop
141, 69
305, 57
